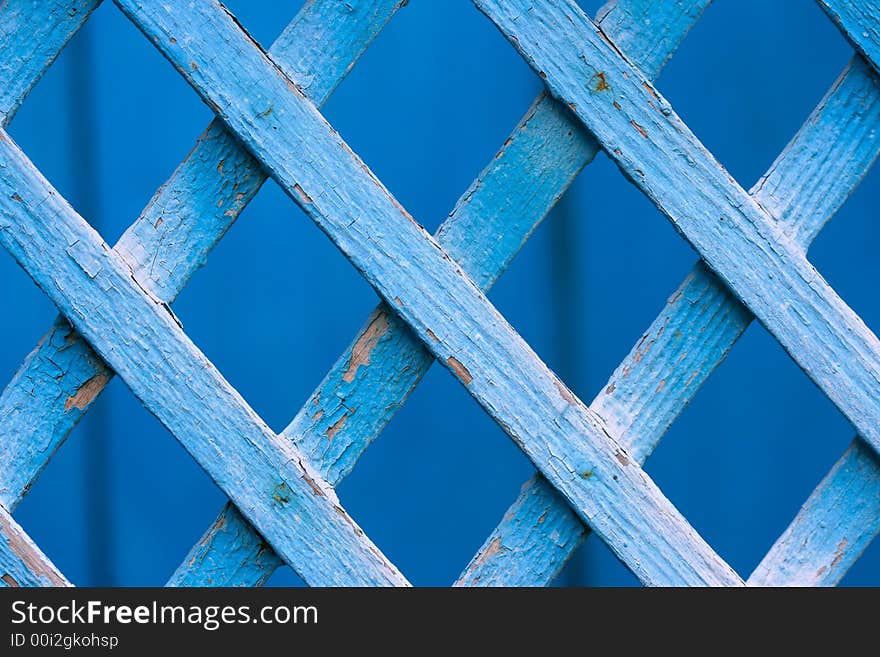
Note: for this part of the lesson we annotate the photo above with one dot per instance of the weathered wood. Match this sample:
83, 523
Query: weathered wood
859, 21
61, 378
230, 553
21, 562
835, 525
699, 325
485, 230
140, 338
446, 310
31, 36
803, 189
737, 238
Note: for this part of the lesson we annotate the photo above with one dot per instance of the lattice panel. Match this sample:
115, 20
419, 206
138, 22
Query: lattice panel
115, 316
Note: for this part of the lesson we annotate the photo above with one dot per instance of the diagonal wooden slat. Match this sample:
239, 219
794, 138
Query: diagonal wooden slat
445, 309
859, 21
483, 233
835, 525
734, 235
140, 338
31, 36
21, 562
62, 376
803, 189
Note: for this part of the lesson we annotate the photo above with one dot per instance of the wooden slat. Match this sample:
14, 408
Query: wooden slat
859, 20
140, 338
21, 562
735, 236
432, 294
61, 378
835, 525
483, 233
31, 36
803, 189
230, 553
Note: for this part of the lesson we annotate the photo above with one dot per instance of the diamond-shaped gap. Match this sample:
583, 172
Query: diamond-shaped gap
743, 457
134, 114
159, 501
426, 116
751, 448
747, 76
436, 482
275, 306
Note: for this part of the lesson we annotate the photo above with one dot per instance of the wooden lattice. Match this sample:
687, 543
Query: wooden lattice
115, 315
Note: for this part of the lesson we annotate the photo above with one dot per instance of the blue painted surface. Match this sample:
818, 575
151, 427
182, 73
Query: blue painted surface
427, 123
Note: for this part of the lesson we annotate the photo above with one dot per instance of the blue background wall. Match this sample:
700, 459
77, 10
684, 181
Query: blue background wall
122, 502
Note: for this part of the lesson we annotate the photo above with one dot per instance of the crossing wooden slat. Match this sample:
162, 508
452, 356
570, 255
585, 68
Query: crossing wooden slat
429, 291
699, 325
737, 238
61, 378
485, 230
137, 335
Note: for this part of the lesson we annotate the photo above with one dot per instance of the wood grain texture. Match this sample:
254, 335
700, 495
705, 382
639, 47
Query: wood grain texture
140, 338
859, 21
169, 241
31, 36
429, 291
692, 335
489, 224
21, 562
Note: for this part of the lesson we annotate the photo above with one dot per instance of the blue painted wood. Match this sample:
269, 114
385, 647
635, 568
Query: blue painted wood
170, 240
137, 334
230, 553
841, 516
31, 36
21, 562
835, 525
734, 235
432, 294
803, 189
859, 21
485, 230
